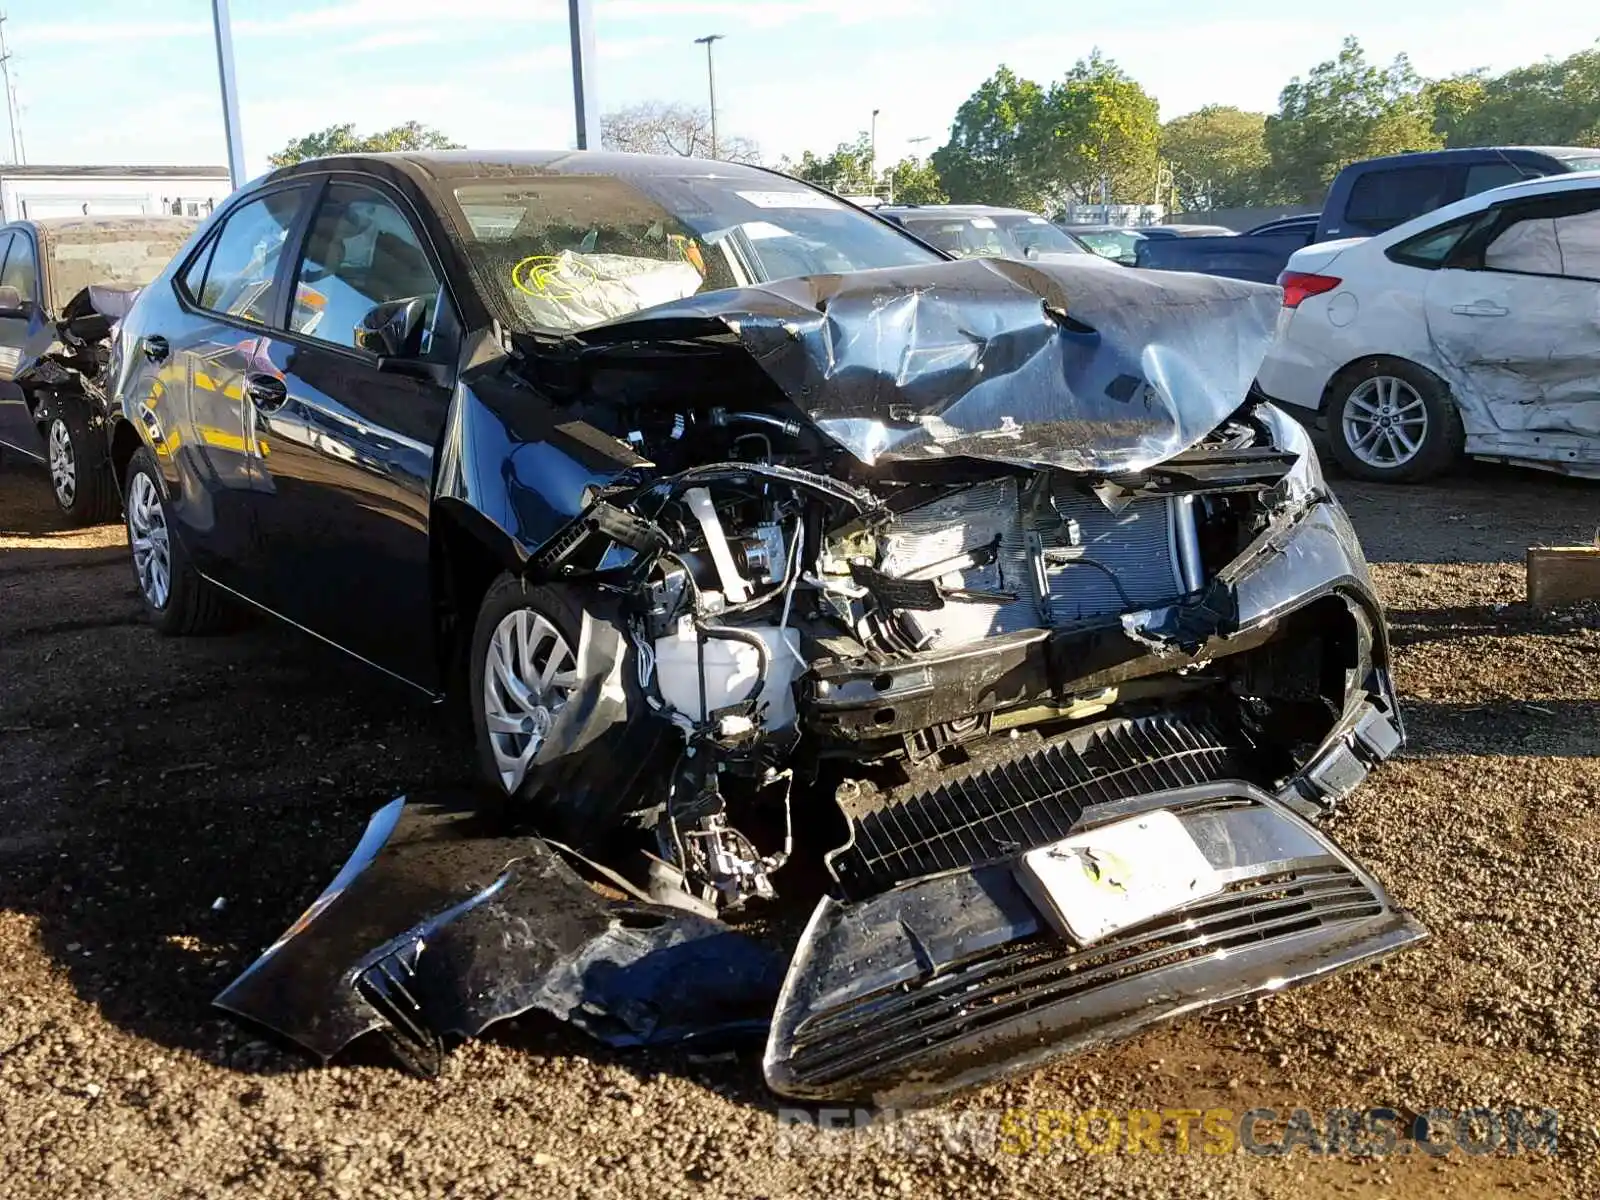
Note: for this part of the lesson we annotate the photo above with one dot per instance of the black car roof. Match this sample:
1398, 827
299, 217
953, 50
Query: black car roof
445, 165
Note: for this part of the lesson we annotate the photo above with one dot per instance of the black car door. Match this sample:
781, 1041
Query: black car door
196, 353
21, 333
352, 410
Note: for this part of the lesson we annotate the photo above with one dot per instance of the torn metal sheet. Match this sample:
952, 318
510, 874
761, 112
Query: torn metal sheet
433, 930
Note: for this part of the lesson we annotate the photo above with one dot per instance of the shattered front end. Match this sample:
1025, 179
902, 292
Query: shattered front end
987, 586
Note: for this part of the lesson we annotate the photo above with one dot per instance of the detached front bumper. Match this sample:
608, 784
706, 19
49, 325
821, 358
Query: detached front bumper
946, 982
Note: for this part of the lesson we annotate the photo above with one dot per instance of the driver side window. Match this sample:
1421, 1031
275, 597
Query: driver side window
361, 253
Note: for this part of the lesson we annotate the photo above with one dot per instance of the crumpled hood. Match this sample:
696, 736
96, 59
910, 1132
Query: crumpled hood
1061, 364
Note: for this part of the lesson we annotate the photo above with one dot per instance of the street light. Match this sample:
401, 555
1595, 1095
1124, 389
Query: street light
711, 80
580, 24
223, 25
872, 162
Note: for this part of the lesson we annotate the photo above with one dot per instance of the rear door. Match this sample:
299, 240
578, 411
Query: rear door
1515, 317
21, 337
353, 431
195, 359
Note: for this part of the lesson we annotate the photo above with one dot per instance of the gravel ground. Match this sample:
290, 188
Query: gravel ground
143, 780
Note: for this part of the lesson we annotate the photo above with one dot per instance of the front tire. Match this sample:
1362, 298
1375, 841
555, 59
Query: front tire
80, 478
523, 669
1393, 422
176, 599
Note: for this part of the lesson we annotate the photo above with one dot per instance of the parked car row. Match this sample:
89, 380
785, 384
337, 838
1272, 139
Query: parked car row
748, 526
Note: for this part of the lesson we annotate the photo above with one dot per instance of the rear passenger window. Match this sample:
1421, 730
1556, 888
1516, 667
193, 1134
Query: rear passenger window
234, 275
1430, 249
362, 253
1380, 200
1565, 244
1492, 175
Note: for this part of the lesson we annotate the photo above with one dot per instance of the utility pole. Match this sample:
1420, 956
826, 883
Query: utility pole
872, 160
222, 23
580, 16
11, 95
711, 82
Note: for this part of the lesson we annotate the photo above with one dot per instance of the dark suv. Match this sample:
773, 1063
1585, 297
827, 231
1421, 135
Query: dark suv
1376, 195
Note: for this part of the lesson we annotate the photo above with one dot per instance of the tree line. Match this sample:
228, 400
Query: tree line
1096, 134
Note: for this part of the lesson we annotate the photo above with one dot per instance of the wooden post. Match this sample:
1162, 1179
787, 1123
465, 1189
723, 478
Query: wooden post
1559, 575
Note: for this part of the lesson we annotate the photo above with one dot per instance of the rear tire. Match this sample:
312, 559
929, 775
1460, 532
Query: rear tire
87, 494
177, 600
1393, 422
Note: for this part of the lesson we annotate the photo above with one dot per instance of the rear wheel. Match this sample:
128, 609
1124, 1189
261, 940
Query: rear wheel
1393, 422
177, 600
79, 475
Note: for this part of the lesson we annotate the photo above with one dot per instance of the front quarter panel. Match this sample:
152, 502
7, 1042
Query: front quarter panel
513, 458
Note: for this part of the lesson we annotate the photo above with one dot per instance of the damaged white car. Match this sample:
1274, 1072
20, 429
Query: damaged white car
1473, 330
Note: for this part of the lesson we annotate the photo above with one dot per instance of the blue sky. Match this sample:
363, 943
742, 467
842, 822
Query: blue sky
135, 80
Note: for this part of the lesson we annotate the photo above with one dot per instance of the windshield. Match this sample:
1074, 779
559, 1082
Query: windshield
963, 237
566, 252
1111, 243
1035, 235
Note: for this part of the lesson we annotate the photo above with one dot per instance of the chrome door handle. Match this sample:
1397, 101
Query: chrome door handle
1480, 308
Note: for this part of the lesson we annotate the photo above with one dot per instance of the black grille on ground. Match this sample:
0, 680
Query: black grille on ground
884, 1030
986, 815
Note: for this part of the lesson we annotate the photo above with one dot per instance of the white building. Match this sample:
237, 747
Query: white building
30, 192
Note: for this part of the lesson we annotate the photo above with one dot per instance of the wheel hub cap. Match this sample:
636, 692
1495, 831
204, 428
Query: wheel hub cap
63, 464
529, 673
148, 537
1385, 422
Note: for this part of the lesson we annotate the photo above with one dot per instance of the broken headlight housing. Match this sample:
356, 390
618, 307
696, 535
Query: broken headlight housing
1303, 485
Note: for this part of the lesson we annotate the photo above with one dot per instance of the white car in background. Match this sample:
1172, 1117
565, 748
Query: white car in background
1471, 330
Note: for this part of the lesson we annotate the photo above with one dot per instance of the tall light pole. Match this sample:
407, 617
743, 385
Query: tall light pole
872, 161
711, 81
580, 17
230, 93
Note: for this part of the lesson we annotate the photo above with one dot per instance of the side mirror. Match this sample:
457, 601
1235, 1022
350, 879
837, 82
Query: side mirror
12, 303
393, 329
1030, 252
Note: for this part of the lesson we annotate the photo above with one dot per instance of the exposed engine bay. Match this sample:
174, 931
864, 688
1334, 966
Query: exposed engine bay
782, 620
999, 602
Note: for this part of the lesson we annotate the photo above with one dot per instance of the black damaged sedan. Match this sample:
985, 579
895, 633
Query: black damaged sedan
762, 539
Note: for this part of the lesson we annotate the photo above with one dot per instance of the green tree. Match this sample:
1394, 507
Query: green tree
1099, 132
1549, 103
1218, 157
343, 139
847, 171
1345, 110
913, 180
992, 154
1454, 103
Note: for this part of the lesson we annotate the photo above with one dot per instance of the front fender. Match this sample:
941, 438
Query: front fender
518, 463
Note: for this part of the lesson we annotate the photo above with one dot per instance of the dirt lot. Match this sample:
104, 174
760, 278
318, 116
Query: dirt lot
167, 807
